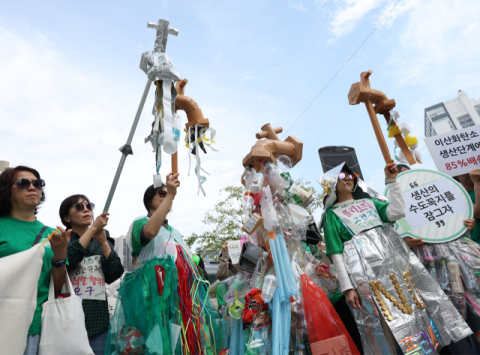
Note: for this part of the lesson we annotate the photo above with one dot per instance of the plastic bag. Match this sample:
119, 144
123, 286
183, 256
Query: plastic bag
322, 320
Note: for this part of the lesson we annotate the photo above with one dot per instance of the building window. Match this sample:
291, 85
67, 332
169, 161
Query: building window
436, 112
478, 109
466, 121
429, 131
443, 125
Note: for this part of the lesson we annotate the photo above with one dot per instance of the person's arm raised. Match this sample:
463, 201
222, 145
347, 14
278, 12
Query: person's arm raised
151, 228
99, 224
396, 208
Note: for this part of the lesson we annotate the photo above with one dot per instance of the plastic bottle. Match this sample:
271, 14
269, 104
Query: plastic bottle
268, 210
177, 127
444, 276
269, 288
257, 183
247, 203
167, 138
432, 269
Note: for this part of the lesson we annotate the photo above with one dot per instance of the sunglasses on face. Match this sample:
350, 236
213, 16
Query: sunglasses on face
24, 184
162, 193
343, 176
80, 206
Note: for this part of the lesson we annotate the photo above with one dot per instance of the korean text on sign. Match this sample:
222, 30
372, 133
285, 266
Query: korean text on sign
432, 203
359, 215
456, 153
88, 280
234, 251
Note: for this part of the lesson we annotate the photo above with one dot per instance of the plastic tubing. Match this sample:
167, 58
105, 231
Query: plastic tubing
290, 276
278, 269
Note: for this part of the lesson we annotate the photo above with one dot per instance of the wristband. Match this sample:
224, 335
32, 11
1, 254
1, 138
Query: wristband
58, 263
390, 181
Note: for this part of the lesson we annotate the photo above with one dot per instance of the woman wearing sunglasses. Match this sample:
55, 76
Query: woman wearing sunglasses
148, 236
21, 194
92, 259
383, 281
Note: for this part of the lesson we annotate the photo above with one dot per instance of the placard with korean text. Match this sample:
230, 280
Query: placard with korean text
435, 206
457, 152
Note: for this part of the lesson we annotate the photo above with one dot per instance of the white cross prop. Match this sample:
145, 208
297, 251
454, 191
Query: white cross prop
163, 30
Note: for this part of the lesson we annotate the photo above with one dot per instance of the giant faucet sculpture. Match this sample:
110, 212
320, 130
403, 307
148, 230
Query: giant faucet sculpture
268, 149
169, 98
377, 102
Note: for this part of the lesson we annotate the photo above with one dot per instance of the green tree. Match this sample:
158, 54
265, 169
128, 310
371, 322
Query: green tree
227, 218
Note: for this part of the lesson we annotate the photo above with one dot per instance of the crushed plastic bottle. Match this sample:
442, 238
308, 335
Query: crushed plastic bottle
257, 183
269, 288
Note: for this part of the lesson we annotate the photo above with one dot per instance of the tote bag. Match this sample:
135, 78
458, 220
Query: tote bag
19, 274
63, 325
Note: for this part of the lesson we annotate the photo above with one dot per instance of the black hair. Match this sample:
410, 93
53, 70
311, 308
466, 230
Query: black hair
7, 178
400, 166
149, 195
66, 205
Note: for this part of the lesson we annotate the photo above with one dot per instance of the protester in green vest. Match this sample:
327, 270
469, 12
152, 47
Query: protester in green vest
372, 262
21, 194
150, 234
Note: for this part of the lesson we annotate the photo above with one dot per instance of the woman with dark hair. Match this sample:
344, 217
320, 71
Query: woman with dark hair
149, 236
383, 281
89, 250
21, 194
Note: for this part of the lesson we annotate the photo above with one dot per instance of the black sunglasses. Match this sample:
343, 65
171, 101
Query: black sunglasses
80, 206
24, 184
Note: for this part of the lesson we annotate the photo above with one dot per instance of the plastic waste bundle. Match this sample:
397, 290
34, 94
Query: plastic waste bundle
456, 267
283, 326
163, 308
410, 141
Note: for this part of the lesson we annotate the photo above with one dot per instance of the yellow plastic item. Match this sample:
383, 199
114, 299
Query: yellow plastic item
393, 131
410, 140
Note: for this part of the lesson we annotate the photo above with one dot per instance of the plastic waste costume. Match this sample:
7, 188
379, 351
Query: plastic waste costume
163, 305
281, 306
372, 258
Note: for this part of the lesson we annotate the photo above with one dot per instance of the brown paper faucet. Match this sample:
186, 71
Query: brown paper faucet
193, 111
361, 92
268, 149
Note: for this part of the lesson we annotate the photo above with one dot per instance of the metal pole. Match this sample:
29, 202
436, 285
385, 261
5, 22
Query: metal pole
127, 148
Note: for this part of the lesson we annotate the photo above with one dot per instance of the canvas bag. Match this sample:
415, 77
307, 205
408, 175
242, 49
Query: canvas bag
63, 325
19, 274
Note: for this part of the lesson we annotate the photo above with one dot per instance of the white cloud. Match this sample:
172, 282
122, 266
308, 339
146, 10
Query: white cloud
349, 13
299, 6
470, 28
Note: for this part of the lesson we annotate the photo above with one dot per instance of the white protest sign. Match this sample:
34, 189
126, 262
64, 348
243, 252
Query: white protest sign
456, 153
435, 206
358, 215
234, 250
88, 280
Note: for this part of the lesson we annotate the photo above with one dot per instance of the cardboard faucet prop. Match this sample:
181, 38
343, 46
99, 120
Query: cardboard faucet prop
169, 98
377, 102
268, 149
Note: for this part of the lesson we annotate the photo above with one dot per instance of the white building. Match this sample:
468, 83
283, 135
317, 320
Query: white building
450, 115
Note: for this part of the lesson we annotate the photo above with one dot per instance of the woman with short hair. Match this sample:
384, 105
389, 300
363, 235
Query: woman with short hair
21, 194
90, 250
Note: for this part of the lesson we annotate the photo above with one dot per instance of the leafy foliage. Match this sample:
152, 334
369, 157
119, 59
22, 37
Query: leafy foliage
227, 218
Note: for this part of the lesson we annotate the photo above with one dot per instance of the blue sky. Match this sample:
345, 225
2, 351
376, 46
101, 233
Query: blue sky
70, 85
